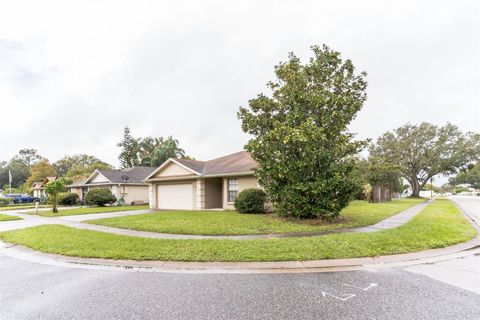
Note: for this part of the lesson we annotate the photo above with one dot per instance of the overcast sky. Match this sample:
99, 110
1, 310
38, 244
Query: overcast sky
74, 73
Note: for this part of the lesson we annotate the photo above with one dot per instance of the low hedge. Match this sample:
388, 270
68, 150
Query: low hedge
68, 199
100, 197
5, 202
251, 201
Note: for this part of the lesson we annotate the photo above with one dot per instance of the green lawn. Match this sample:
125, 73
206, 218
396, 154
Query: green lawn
6, 217
22, 206
89, 210
358, 213
439, 225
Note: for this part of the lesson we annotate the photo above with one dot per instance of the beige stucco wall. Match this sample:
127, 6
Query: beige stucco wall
172, 169
97, 187
78, 191
134, 193
99, 178
244, 182
199, 203
206, 193
152, 195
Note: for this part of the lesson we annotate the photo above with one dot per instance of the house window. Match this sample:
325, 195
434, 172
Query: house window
232, 189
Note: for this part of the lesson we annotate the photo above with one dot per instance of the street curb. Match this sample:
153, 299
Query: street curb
428, 256
81, 222
472, 220
330, 265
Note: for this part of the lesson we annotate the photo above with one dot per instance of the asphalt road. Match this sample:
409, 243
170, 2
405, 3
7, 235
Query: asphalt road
444, 290
471, 205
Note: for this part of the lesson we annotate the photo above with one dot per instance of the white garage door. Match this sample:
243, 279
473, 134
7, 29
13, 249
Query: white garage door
175, 196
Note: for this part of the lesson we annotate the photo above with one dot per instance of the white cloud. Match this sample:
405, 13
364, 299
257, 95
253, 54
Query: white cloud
72, 75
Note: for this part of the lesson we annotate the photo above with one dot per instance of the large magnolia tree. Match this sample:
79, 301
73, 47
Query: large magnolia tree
300, 137
423, 151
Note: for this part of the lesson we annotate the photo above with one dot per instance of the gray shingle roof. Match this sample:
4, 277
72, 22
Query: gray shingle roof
195, 165
135, 174
239, 162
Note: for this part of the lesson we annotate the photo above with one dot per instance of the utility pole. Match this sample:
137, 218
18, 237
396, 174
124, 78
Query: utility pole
10, 181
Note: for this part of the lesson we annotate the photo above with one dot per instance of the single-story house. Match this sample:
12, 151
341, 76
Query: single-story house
198, 185
127, 183
38, 187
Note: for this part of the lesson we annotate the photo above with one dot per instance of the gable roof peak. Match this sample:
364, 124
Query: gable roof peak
236, 163
135, 174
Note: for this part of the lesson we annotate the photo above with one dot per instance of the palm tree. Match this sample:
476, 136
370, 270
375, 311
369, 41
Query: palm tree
168, 149
146, 149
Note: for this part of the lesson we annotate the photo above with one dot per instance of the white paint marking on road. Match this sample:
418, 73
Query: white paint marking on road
345, 296
372, 285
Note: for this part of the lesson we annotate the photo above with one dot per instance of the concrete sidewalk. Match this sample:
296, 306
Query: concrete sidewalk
30, 220
389, 223
395, 220
39, 209
75, 222
93, 216
461, 250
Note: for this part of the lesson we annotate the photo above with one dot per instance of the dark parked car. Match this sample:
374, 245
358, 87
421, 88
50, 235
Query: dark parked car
21, 198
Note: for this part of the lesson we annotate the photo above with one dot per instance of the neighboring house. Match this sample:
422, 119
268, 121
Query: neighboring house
38, 187
126, 183
198, 185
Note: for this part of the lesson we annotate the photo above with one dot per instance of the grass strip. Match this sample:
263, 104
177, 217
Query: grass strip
439, 225
23, 207
89, 210
6, 217
357, 214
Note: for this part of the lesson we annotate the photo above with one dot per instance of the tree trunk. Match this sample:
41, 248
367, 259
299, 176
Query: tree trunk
415, 192
415, 188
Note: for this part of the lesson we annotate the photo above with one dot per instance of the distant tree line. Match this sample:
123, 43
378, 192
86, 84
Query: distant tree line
469, 176
29, 166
